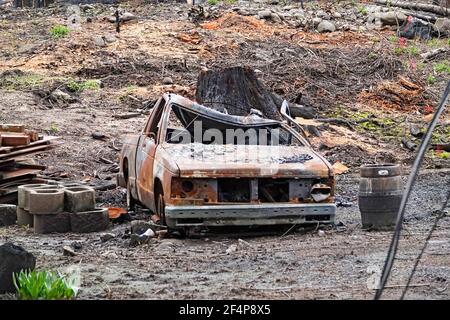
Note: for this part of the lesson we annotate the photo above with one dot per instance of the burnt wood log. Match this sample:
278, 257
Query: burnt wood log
440, 10
236, 90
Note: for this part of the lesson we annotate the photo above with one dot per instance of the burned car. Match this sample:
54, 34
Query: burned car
195, 166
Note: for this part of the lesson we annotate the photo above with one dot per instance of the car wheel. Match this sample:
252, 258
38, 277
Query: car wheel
131, 203
160, 208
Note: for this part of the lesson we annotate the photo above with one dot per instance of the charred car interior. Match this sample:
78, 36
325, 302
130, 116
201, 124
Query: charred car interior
194, 166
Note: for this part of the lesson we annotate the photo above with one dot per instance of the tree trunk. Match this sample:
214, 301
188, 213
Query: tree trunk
237, 90
441, 10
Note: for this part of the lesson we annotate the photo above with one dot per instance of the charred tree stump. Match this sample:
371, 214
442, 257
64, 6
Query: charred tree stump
236, 90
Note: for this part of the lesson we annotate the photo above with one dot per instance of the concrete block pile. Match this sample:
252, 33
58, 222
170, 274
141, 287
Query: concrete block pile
60, 208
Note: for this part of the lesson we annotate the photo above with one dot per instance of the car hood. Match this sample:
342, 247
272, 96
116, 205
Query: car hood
200, 160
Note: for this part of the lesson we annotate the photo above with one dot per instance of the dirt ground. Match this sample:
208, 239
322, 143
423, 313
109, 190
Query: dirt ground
353, 74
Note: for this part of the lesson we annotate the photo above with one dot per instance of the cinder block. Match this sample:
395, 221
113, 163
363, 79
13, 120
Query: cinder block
69, 184
79, 199
8, 215
23, 195
24, 218
89, 221
52, 223
46, 201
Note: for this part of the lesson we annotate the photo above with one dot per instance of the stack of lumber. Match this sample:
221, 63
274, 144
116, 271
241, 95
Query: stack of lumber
17, 144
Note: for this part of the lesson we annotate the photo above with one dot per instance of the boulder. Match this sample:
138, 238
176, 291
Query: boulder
99, 41
265, 14
326, 26
13, 259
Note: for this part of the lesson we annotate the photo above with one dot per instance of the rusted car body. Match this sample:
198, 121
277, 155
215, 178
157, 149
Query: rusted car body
206, 182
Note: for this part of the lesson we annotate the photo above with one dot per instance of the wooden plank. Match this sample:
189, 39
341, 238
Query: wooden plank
8, 127
25, 151
30, 166
13, 140
16, 173
45, 140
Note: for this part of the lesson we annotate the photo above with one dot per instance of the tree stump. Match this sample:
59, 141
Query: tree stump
236, 90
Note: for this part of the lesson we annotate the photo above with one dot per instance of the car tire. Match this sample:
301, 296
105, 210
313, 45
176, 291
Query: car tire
160, 208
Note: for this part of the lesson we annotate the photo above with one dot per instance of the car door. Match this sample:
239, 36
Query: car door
145, 155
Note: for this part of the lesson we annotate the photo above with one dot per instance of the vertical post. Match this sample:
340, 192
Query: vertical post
117, 20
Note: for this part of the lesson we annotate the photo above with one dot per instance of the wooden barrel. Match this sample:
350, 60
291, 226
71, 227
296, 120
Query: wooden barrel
380, 195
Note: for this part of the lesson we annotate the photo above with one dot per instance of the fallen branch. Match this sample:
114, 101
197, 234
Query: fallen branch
338, 122
431, 54
415, 6
128, 115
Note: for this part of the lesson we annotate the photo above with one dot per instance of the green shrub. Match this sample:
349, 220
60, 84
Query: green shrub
76, 86
59, 31
442, 67
34, 285
362, 10
413, 50
213, 2
431, 79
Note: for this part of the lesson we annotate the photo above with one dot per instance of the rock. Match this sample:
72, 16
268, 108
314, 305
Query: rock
275, 18
127, 16
109, 38
62, 96
265, 14
76, 245
68, 251
140, 226
107, 236
86, 7
231, 249
137, 239
321, 14
99, 41
321, 233
390, 18
13, 259
27, 49
442, 25
316, 21
8, 215
299, 15
326, 26
167, 80
74, 22
337, 15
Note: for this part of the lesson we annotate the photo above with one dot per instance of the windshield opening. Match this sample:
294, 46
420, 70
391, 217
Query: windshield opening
188, 126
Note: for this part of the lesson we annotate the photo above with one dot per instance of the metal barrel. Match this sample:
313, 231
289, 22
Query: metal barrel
380, 194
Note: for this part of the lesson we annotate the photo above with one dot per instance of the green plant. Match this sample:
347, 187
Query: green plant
59, 31
392, 39
34, 285
398, 51
230, 1
413, 50
53, 128
21, 81
431, 79
75, 86
362, 10
213, 2
442, 67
